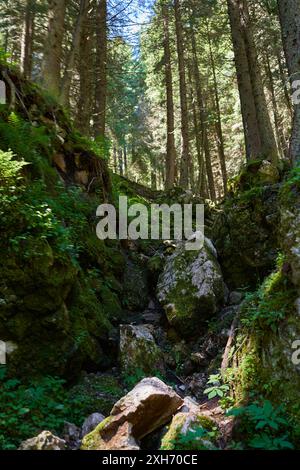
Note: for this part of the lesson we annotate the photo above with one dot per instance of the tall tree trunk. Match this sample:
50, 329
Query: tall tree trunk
51, 68
171, 149
125, 159
251, 131
289, 12
27, 39
277, 119
69, 69
101, 70
115, 159
259, 136
284, 81
185, 151
219, 130
121, 166
85, 66
203, 118
268, 142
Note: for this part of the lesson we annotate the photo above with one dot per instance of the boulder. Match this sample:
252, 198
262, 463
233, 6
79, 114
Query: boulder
245, 233
150, 405
44, 441
91, 422
185, 432
71, 435
135, 285
290, 231
138, 350
191, 288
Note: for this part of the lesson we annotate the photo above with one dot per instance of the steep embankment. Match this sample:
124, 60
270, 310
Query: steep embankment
59, 285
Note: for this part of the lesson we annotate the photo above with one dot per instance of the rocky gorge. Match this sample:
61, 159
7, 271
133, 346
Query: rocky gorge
160, 343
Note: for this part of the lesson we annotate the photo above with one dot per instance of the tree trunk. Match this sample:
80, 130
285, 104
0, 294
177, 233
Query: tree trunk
120, 155
85, 66
27, 39
51, 68
69, 70
268, 142
101, 70
185, 151
259, 136
115, 159
251, 131
277, 119
125, 159
289, 12
171, 149
203, 119
219, 130
284, 80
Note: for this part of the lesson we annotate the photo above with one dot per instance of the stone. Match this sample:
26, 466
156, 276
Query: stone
121, 440
138, 350
71, 435
44, 441
189, 405
184, 423
135, 285
191, 288
268, 173
235, 298
197, 384
200, 359
91, 422
147, 407
246, 237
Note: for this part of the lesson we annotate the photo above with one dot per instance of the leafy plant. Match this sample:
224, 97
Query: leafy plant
196, 438
217, 389
265, 425
10, 168
28, 408
271, 303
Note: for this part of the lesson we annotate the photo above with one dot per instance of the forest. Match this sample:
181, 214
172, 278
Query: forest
144, 344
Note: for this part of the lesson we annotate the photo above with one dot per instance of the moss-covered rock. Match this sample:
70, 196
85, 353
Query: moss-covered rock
189, 431
245, 233
191, 287
139, 352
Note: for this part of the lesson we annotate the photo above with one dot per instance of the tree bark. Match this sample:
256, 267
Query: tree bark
27, 39
86, 89
69, 69
219, 130
185, 150
289, 12
171, 149
101, 70
203, 118
51, 68
259, 135
277, 119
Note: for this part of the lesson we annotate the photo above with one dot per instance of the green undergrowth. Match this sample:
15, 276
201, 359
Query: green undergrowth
31, 406
271, 303
290, 189
263, 426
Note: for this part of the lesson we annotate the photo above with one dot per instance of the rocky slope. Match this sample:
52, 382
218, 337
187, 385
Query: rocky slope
141, 315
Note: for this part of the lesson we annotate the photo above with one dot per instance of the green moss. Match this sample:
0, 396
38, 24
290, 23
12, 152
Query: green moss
94, 441
290, 189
